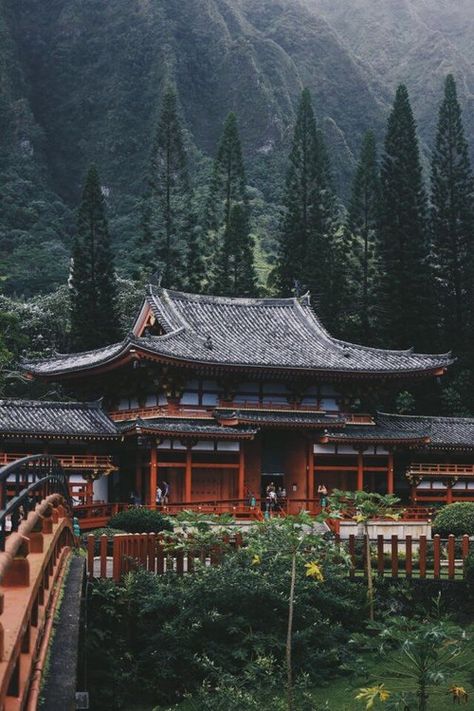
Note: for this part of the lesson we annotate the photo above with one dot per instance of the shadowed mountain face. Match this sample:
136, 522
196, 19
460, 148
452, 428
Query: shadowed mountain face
81, 81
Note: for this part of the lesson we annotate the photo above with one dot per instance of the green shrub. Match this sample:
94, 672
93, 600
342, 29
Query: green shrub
140, 520
457, 519
469, 568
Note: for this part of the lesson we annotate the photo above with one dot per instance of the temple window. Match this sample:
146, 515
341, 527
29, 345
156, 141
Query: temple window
200, 392
267, 393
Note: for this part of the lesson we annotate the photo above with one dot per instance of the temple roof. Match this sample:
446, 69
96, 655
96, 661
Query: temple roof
190, 427
282, 334
279, 418
436, 432
64, 419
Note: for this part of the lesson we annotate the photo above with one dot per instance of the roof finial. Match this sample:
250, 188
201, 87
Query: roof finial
297, 288
209, 344
156, 277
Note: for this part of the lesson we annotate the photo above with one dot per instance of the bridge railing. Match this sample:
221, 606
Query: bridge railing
36, 539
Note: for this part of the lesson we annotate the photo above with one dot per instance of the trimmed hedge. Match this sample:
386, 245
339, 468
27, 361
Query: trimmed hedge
140, 520
457, 519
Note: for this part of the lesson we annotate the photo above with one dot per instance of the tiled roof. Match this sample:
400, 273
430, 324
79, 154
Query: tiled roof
282, 418
438, 432
38, 417
253, 333
190, 427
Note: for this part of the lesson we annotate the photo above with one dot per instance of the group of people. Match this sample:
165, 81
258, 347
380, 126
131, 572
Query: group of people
162, 496
275, 498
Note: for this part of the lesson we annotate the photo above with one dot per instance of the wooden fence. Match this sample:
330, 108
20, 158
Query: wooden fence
410, 557
392, 557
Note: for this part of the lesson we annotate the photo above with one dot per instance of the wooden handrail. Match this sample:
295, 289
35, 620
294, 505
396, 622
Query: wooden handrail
68, 461
434, 469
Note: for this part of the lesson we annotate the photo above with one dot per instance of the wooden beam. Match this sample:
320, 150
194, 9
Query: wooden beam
188, 474
241, 482
360, 471
153, 483
390, 474
310, 468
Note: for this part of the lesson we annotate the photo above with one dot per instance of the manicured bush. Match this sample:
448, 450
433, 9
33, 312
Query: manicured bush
140, 520
456, 519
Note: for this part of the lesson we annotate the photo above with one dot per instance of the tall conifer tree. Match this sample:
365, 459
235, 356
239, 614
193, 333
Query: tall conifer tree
235, 267
362, 224
406, 315
167, 223
452, 220
228, 216
311, 244
93, 288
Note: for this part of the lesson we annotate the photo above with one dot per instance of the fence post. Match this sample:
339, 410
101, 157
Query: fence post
408, 556
151, 552
394, 550
116, 558
352, 554
160, 558
103, 555
422, 556
437, 556
451, 556
90, 555
380, 556
180, 562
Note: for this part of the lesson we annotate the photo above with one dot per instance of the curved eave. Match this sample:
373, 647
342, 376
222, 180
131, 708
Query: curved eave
415, 441
137, 352
59, 435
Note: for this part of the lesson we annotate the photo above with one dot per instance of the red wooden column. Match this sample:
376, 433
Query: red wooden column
153, 483
449, 492
360, 471
390, 474
310, 470
241, 481
138, 474
188, 474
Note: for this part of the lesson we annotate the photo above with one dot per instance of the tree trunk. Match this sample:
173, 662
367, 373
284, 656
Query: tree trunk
289, 637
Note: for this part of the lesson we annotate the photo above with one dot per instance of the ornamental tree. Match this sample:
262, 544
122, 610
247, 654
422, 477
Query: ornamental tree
364, 507
294, 540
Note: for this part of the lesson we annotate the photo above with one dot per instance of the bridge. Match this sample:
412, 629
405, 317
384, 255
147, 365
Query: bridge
36, 542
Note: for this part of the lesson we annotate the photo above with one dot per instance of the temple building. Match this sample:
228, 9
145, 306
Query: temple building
220, 396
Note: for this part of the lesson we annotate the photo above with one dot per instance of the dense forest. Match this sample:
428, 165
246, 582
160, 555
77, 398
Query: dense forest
241, 148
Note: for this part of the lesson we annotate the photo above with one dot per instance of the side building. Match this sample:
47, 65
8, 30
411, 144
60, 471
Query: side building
218, 397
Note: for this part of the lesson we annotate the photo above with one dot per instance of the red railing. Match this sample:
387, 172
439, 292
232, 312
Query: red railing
392, 557
410, 557
429, 469
68, 461
32, 569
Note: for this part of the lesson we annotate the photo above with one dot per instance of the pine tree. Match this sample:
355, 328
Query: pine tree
93, 287
405, 299
166, 210
235, 268
452, 221
300, 198
229, 239
311, 244
362, 224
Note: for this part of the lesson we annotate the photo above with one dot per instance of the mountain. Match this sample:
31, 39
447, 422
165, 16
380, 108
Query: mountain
81, 82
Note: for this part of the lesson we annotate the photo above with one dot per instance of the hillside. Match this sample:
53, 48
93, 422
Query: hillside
81, 81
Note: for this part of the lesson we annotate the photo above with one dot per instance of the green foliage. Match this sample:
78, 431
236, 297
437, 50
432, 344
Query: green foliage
235, 273
363, 222
140, 520
456, 519
160, 637
94, 316
452, 219
406, 312
167, 217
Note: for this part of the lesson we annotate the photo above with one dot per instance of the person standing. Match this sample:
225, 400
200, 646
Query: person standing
323, 495
166, 493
